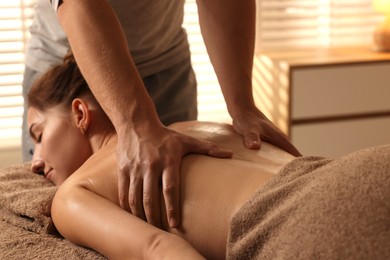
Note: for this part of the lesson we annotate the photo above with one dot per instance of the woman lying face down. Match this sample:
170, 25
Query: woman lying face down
75, 148
258, 204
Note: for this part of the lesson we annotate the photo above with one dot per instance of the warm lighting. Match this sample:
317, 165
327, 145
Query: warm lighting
382, 33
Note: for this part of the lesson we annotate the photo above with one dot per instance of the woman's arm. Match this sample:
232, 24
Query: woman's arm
89, 220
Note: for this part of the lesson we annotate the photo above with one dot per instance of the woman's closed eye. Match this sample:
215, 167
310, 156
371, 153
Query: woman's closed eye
34, 133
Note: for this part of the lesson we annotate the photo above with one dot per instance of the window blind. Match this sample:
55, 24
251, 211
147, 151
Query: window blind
312, 23
211, 105
15, 18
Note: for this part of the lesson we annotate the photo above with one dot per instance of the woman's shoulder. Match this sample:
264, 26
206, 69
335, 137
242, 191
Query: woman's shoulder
97, 174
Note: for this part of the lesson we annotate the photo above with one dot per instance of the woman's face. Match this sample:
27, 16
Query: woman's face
60, 146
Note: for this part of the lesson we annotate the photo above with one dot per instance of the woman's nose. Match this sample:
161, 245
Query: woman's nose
37, 163
38, 166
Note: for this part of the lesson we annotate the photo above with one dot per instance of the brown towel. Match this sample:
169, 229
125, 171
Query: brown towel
317, 208
25, 199
27, 231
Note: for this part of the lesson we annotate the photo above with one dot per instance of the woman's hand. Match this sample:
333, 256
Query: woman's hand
254, 126
149, 164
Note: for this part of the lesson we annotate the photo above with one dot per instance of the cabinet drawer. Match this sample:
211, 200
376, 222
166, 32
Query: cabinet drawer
342, 137
340, 90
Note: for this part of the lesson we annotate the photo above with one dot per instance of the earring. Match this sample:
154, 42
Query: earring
82, 130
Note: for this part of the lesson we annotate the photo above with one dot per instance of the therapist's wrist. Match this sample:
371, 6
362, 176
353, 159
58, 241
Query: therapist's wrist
139, 126
241, 109
135, 115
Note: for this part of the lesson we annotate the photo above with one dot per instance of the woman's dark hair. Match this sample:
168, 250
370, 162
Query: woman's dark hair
59, 86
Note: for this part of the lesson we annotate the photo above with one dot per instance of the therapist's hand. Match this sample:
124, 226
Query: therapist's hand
149, 164
254, 127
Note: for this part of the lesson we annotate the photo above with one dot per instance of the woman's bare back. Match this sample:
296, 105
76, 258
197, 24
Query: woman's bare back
211, 189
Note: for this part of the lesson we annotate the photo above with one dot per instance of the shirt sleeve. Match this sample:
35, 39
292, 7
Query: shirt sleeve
55, 4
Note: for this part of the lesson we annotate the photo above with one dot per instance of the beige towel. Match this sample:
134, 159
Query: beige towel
27, 231
317, 208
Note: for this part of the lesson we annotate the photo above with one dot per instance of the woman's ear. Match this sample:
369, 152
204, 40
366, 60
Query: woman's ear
81, 114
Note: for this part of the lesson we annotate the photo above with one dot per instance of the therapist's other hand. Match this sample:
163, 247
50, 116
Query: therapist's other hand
149, 164
255, 127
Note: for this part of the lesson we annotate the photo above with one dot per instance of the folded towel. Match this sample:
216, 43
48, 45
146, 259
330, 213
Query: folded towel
27, 231
25, 199
317, 208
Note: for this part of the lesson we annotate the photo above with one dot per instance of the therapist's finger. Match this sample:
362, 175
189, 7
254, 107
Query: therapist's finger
282, 141
123, 190
252, 140
171, 193
151, 199
204, 147
135, 197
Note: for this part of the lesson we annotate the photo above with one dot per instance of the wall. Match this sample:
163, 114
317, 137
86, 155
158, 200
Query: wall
10, 153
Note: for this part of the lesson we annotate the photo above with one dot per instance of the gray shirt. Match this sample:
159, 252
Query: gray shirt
153, 30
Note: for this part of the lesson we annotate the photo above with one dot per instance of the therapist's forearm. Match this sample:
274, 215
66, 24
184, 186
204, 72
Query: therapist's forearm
101, 50
228, 29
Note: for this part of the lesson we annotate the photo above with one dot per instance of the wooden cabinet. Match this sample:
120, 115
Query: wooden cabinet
329, 101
